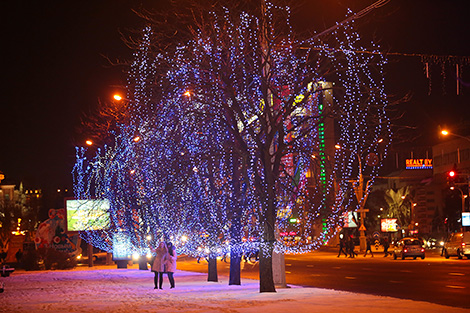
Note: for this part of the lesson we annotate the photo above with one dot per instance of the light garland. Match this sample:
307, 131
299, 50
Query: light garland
220, 131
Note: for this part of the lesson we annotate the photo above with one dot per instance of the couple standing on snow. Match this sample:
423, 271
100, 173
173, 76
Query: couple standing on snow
165, 262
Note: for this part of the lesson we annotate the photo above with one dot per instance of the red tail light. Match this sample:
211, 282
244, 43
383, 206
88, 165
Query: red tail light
405, 250
422, 249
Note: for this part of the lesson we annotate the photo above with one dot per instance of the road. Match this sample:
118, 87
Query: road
434, 279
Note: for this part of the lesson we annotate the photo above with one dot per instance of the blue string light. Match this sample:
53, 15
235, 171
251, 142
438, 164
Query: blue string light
204, 112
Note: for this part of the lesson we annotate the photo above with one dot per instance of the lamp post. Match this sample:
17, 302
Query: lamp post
463, 196
446, 133
464, 175
361, 195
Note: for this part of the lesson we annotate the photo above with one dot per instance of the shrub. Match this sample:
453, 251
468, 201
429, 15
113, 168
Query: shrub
47, 258
54, 259
30, 260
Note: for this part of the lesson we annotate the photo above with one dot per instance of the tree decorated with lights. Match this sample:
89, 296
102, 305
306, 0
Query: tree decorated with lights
235, 126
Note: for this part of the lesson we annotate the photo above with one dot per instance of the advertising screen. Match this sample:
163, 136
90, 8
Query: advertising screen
465, 218
87, 214
388, 225
350, 219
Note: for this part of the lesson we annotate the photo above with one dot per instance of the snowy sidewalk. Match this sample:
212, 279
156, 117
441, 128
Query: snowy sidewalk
105, 289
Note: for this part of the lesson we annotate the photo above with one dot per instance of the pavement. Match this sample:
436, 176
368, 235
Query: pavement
108, 289
105, 288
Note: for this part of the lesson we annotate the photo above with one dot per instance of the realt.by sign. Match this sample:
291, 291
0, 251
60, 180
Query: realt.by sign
413, 164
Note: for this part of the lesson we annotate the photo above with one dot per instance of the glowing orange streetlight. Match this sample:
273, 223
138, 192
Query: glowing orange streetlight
136, 139
89, 142
187, 93
445, 132
117, 97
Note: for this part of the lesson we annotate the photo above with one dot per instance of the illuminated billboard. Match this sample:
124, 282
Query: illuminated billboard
350, 219
87, 214
388, 225
418, 164
465, 218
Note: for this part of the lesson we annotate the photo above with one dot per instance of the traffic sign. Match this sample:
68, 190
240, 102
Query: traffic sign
376, 235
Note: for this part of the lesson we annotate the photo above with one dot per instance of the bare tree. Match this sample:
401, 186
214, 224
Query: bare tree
231, 113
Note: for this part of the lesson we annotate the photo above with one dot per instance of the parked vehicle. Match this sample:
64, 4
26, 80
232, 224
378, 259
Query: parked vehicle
458, 244
97, 257
408, 247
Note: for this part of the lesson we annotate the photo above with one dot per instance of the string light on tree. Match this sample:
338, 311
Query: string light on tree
225, 141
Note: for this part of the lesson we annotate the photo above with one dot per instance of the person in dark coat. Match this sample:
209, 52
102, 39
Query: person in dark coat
170, 263
342, 248
350, 248
18, 255
368, 247
3, 256
386, 246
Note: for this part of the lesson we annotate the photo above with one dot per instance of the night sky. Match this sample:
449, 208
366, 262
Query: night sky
53, 70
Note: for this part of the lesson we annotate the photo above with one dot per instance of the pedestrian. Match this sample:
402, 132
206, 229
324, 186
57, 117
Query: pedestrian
18, 255
170, 263
342, 248
350, 249
386, 246
3, 256
368, 247
158, 265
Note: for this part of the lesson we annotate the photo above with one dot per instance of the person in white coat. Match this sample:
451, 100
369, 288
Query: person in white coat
170, 263
158, 266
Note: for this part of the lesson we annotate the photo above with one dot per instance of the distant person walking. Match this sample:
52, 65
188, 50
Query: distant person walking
368, 247
342, 248
350, 248
158, 266
170, 263
18, 255
3, 256
386, 246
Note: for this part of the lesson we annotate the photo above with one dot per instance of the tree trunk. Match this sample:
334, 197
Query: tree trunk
143, 263
212, 269
235, 253
279, 270
90, 255
235, 270
266, 279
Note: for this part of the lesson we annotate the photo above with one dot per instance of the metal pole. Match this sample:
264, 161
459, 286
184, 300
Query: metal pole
362, 229
90, 255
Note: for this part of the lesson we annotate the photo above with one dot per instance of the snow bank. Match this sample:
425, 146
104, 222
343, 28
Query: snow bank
108, 289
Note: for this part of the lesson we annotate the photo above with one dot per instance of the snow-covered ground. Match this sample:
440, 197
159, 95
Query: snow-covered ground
108, 289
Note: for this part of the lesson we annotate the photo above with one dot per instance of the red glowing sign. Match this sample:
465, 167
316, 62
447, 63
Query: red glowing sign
389, 225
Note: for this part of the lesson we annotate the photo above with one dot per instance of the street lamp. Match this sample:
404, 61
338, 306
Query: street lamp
361, 195
463, 196
445, 132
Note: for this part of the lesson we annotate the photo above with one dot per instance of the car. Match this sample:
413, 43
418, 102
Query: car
458, 244
97, 257
433, 243
408, 247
